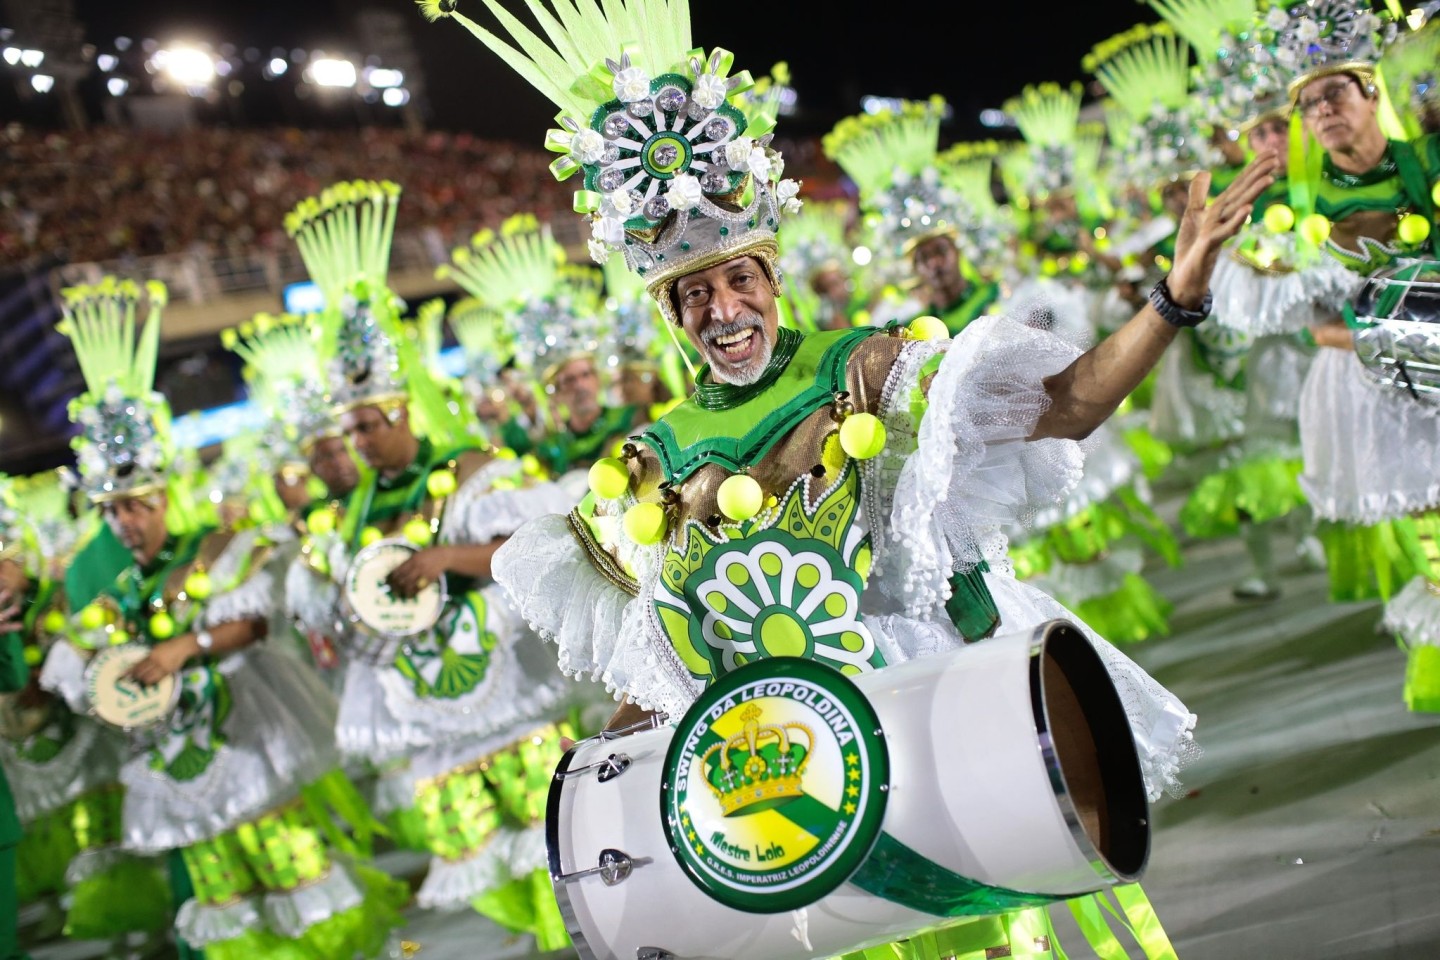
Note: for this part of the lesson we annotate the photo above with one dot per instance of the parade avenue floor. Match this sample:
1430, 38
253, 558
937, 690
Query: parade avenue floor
1311, 828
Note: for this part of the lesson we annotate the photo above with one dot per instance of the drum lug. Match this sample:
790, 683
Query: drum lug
653, 953
613, 868
607, 769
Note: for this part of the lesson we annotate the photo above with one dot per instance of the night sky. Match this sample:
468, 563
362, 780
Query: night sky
974, 54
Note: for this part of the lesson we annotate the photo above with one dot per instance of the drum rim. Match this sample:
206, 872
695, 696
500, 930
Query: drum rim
355, 618
173, 697
552, 857
1097, 861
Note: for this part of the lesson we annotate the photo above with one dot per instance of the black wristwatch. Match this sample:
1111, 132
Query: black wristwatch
1172, 312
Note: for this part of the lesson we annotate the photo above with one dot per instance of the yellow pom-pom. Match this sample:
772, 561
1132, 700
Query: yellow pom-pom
740, 497
319, 562
92, 617
1315, 228
862, 436
531, 464
440, 483
197, 585
33, 655
645, 523
118, 637
1413, 229
417, 531
927, 328
1279, 218
1435, 193
162, 626
53, 622
321, 521
505, 453
609, 478
369, 535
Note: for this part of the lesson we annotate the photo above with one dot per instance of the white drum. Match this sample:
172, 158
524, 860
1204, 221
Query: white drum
374, 607
790, 824
122, 702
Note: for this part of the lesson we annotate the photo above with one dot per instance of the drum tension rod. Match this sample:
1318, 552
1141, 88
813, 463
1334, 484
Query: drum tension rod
614, 867
608, 769
653, 953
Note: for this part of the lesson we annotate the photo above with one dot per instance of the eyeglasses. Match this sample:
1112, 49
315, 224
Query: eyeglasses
1332, 95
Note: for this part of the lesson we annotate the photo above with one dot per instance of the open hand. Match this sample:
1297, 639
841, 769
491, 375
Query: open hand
1205, 228
12, 618
419, 571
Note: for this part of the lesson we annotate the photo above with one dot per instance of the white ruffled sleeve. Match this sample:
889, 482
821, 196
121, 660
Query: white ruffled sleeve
1265, 303
478, 513
64, 676
970, 470
602, 631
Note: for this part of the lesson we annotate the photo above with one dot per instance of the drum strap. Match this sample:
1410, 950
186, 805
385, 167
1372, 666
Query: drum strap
899, 874
971, 607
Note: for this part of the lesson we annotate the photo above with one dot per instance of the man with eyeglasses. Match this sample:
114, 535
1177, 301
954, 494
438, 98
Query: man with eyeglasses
1367, 472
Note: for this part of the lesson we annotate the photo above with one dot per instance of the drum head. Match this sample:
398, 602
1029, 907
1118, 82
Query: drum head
122, 702
379, 610
774, 786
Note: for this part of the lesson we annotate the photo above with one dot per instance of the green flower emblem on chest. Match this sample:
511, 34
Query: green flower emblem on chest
787, 584
454, 658
196, 730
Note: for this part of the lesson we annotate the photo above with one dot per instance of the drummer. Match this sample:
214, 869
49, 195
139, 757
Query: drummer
1375, 202
460, 709
665, 578
230, 780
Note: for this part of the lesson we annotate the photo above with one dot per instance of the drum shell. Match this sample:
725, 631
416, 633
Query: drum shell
976, 788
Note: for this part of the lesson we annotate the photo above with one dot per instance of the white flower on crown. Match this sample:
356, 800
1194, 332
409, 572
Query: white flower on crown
1286, 56
709, 91
587, 146
1307, 30
113, 394
599, 251
91, 461
1277, 19
788, 193
684, 192
1366, 24
609, 230
630, 85
737, 152
619, 204
147, 457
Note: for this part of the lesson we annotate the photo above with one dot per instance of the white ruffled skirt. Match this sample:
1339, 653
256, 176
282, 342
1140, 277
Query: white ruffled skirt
1371, 452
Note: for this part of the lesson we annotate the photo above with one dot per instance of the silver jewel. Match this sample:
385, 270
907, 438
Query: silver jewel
616, 125
612, 153
714, 181
717, 129
641, 108
694, 110
671, 99
656, 208
665, 154
611, 180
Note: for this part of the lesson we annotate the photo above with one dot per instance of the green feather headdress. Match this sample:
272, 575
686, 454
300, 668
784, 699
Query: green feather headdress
35, 525
678, 171
287, 381
124, 444
483, 339
1205, 23
872, 147
344, 234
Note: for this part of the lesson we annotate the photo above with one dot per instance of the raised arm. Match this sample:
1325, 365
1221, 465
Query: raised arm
1086, 393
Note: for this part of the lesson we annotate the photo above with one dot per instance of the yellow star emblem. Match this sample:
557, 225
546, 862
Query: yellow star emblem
852, 791
851, 759
699, 850
850, 808
692, 835
854, 774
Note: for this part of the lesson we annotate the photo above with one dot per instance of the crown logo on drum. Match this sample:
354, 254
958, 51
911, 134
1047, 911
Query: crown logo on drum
759, 767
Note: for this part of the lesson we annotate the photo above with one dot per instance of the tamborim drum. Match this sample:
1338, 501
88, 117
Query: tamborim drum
124, 703
793, 813
375, 607
1398, 340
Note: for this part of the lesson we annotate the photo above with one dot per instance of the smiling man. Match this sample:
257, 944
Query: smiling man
836, 496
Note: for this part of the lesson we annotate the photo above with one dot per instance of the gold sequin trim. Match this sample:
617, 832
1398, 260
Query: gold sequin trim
604, 563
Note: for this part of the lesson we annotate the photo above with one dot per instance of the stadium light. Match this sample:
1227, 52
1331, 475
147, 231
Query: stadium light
107, 62
32, 58
995, 118
42, 82
395, 97
190, 67
117, 86
382, 78
329, 72
277, 66
12, 55
861, 256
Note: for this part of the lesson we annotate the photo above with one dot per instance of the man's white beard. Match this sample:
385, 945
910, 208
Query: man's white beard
754, 369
